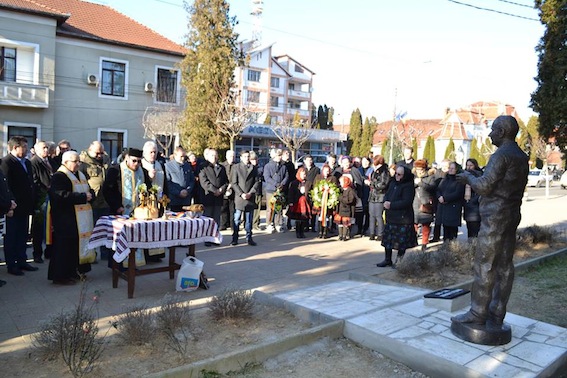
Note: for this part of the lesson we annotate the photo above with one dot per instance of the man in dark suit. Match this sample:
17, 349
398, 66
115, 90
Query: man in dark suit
214, 181
7, 203
42, 172
18, 172
227, 212
245, 185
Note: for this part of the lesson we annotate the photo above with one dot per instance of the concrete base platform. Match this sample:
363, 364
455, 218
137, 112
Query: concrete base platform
394, 321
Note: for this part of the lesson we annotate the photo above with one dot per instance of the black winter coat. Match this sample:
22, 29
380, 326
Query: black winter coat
212, 178
347, 202
425, 190
379, 183
401, 195
245, 180
472, 206
453, 192
20, 183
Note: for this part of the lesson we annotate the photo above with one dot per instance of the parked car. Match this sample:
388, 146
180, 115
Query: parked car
563, 181
537, 178
318, 160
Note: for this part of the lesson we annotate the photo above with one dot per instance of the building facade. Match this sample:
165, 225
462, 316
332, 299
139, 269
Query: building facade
81, 71
277, 87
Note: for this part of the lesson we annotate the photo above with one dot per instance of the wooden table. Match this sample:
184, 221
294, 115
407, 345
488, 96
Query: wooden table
122, 234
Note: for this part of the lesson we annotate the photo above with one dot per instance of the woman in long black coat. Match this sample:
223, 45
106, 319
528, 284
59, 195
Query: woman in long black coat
450, 195
472, 204
399, 232
423, 203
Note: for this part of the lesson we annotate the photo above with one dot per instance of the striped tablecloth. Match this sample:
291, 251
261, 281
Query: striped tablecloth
121, 233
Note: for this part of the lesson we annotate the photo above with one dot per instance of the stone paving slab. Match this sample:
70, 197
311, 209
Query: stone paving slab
395, 321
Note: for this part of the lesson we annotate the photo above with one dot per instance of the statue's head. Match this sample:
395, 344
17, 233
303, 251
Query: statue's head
504, 127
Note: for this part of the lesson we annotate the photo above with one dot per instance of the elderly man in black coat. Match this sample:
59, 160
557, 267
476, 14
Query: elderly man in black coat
18, 172
214, 181
501, 189
245, 185
42, 172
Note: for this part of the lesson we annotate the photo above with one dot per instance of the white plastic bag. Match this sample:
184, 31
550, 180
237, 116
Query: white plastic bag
189, 274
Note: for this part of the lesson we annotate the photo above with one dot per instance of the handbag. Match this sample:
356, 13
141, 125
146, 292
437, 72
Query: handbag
426, 208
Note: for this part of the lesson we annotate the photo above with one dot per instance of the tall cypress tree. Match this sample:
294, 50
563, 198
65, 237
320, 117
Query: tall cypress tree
207, 71
355, 133
366, 141
429, 150
450, 150
475, 153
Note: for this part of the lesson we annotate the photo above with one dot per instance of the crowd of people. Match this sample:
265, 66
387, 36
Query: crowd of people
65, 192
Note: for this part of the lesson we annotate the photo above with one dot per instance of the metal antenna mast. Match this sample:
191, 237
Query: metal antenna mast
257, 9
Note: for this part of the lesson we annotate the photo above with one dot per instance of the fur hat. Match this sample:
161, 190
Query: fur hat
421, 163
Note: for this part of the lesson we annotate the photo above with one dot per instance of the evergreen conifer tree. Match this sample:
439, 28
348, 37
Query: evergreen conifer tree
450, 150
207, 72
367, 134
355, 134
429, 150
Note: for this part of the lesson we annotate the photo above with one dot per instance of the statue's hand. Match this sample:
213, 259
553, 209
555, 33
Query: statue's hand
463, 177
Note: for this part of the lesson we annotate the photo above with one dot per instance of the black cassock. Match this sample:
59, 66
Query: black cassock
64, 262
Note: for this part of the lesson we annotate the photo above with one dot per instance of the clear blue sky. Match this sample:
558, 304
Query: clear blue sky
419, 56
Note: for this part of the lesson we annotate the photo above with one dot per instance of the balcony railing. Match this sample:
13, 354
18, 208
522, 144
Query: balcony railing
298, 94
302, 113
25, 95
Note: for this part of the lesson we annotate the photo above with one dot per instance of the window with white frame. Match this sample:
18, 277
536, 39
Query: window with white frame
298, 68
275, 82
166, 85
274, 101
113, 142
113, 80
254, 75
28, 132
7, 64
253, 96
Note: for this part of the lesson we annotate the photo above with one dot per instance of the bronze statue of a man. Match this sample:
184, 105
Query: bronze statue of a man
501, 188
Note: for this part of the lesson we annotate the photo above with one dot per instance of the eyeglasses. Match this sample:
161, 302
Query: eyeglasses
135, 160
74, 161
399, 174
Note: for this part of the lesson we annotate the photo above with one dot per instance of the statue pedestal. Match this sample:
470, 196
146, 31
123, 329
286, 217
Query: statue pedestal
485, 334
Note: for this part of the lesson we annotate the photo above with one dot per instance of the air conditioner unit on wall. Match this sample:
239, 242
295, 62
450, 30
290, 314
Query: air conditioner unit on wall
149, 87
92, 79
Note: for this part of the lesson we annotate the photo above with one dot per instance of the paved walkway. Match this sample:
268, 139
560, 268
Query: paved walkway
396, 322
280, 263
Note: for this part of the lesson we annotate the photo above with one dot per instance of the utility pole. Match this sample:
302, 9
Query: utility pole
392, 128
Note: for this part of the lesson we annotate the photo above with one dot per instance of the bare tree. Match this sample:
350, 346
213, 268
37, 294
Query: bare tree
161, 125
293, 136
232, 118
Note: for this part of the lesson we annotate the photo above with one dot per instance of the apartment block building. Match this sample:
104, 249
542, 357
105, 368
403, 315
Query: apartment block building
276, 86
280, 89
